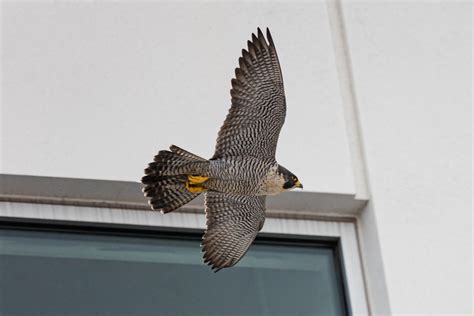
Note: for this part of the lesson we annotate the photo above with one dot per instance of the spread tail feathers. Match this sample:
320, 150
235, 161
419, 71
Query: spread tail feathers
170, 181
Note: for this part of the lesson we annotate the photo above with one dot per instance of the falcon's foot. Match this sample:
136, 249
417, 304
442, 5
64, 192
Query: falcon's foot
194, 184
197, 179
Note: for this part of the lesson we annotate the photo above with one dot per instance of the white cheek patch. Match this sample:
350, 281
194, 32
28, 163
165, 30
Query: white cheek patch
274, 182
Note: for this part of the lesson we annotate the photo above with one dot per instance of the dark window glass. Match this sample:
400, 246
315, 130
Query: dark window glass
62, 273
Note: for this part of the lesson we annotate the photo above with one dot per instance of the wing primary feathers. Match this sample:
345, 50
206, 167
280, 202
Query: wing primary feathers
247, 57
240, 75
261, 39
270, 39
243, 65
251, 49
258, 100
256, 42
236, 84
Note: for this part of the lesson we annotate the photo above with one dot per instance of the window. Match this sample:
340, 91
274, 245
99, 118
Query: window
94, 248
67, 270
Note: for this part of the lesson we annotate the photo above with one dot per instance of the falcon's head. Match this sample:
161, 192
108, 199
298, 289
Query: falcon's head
290, 180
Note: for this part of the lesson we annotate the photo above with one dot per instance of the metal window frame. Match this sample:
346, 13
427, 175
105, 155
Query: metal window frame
97, 205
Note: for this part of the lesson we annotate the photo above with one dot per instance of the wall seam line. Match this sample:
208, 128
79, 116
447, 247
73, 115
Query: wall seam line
349, 100
352, 121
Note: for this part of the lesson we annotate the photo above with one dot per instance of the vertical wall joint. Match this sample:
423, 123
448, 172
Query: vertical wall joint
349, 100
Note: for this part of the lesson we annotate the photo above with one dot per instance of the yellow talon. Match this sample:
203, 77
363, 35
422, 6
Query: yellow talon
195, 189
194, 184
196, 179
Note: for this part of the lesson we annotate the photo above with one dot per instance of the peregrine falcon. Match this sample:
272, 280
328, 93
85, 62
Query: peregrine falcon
243, 170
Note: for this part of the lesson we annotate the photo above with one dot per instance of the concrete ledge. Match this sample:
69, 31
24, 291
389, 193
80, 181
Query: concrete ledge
128, 195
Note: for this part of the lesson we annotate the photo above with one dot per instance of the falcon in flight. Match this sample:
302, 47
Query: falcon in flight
243, 170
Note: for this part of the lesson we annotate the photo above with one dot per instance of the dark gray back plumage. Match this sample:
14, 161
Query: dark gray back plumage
258, 106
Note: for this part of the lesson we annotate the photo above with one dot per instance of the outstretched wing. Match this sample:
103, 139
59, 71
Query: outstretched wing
258, 109
233, 222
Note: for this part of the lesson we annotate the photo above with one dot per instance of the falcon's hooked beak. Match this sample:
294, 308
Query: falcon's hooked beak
298, 184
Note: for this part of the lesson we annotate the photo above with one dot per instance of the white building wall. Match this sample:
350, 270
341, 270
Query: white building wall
110, 83
411, 64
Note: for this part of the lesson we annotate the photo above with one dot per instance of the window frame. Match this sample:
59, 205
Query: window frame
95, 205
